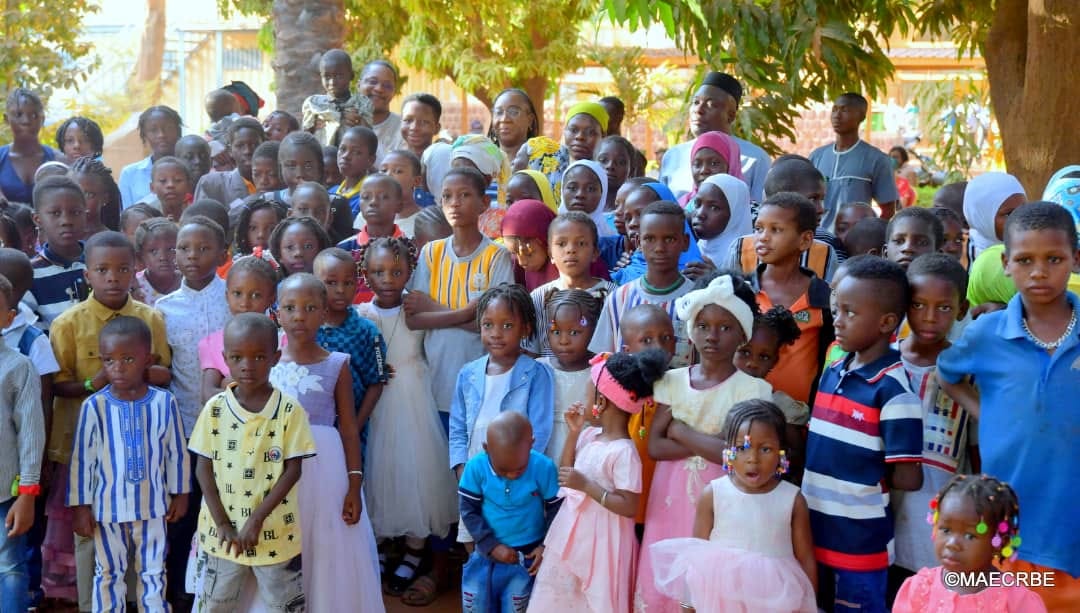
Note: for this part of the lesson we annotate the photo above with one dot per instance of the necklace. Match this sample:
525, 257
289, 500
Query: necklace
1054, 345
661, 290
379, 324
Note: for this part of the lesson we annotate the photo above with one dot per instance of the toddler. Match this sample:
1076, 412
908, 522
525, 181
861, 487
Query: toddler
155, 246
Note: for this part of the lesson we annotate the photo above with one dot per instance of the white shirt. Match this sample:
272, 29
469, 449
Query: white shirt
495, 387
41, 353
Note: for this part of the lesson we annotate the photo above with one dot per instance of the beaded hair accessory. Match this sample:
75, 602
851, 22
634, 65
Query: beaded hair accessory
732, 452
1006, 539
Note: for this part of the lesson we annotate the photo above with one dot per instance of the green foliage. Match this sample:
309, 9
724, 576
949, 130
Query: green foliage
944, 105
655, 94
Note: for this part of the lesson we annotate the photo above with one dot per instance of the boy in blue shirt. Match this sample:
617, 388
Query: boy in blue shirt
508, 500
1023, 360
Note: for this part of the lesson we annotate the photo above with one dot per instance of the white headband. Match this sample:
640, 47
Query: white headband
720, 292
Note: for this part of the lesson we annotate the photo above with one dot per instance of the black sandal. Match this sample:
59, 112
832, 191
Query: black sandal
396, 584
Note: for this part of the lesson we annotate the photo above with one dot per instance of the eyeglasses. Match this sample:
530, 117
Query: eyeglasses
513, 112
520, 246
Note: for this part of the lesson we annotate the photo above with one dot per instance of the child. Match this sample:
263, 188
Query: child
662, 239
254, 226
407, 456
713, 153
250, 287
59, 279
355, 159
310, 199
850, 213
133, 216
507, 494
572, 239
975, 527
23, 216
524, 231
420, 116
784, 230
912, 232
955, 239
380, 197
405, 167
295, 242
865, 437
479, 152
171, 186
721, 215
1024, 422
331, 174
591, 547
692, 403
451, 274
264, 168
938, 290
749, 524
378, 81
866, 237
21, 334
989, 199
300, 159
238, 532
194, 151
125, 511
102, 195
617, 155
326, 115
159, 129
279, 124
572, 315
110, 271
531, 185
80, 137
155, 247
23, 442
340, 571
231, 187
430, 225
584, 188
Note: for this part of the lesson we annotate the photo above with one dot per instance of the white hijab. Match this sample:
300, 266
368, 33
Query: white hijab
603, 228
983, 197
738, 198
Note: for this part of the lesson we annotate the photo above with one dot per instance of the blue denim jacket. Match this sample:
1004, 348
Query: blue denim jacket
531, 392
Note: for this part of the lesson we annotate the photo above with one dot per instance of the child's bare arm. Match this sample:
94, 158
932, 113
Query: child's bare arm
697, 443
350, 442
367, 404
964, 393
575, 422
158, 375
801, 539
620, 502
905, 476
703, 516
422, 312
661, 447
212, 384
77, 389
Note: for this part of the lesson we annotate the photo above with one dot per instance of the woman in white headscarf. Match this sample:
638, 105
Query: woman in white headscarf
584, 188
988, 201
715, 191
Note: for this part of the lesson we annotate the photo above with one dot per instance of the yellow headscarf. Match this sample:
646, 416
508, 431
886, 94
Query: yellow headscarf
592, 109
542, 184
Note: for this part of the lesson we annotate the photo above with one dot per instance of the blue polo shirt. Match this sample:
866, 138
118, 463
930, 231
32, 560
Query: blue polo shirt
1029, 425
862, 420
513, 510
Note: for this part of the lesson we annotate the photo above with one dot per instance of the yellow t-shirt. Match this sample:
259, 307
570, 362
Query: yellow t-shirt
248, 451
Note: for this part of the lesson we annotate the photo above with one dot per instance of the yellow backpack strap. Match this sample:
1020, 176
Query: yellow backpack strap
747, 255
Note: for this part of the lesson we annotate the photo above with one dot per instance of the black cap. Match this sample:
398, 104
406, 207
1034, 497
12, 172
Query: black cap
725, 82
246, 96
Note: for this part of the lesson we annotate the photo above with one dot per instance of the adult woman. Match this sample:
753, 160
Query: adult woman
513, 121
24, 114
379, 82
904, 175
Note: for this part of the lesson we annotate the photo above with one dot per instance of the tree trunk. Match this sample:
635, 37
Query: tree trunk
536, 87
144, 84
303, 31
1029, 50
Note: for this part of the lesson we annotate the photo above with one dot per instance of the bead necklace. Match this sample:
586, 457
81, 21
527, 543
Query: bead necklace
1054, 345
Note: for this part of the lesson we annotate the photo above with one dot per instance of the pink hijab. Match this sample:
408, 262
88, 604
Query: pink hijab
723, 145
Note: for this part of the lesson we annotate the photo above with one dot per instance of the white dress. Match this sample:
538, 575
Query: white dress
407, 480
570, 387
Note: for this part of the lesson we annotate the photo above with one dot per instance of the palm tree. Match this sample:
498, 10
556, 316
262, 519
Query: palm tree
303, 31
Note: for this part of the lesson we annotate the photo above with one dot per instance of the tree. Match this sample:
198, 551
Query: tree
793, 52
40, 47
144, 84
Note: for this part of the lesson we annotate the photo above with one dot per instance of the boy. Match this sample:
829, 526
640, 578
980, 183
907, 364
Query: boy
331, 173
508, 495
355, 159
193, 151
911, 233
850, 214
938, 290
264, 168
662, 239
865, 439
110, 260
1023, 358
312, 200
955, 244
325, 115
171, 186
783, 231
867, 237
124, 510
231, 187
60, 215
420, 116
250, 433
22, 440
381, 200
406, 169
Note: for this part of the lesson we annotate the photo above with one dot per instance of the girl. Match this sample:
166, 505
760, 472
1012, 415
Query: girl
590, 548
172, 185
713, 153
264, 168
525, 233
530, 185
513, 121
721, 215
19, 161
295, 242
573, 314
617, 155
256, 223
250, 287
300, 159
80, 137
159, 129
339, 547
988, 201
430, 225
480, 153
584, 189
9, 233
155, 246
102, 194
751, 548
691, 405
409, 490
585, 126
133, 216
572, 245
976, 521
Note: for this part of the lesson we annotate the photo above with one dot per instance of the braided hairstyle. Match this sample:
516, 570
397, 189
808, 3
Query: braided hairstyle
152, 227
9, 233
749, 411
94, 167
995, 502
169, 114
587, 305
782, 322
400, 246
637, 372
241, 246
308, 222
89, 127
519, 300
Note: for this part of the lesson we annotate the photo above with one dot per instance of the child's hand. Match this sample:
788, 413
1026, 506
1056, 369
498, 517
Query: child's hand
83, 523
354, 504
575, 417
226, 382
504, 554
572, 478
537, 556
249, 534
696, 270
228, 538
418, 302
350, 117
21, 516
177, 508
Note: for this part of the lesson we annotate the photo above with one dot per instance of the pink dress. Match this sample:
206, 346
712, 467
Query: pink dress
590, 551
747, 565
677, 484
925, 593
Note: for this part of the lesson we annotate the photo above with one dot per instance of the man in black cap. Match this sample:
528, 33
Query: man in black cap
713, 109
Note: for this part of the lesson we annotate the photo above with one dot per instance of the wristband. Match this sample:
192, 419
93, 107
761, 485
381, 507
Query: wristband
30, 490
88, 385
358, 473
603, 499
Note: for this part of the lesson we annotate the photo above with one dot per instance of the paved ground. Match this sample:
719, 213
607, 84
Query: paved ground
450, 602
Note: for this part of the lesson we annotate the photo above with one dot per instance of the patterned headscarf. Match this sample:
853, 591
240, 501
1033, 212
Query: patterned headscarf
488, 159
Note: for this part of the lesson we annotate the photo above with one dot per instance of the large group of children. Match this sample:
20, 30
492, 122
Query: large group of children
300, 364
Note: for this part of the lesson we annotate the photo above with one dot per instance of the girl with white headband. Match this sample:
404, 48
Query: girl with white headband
692, 404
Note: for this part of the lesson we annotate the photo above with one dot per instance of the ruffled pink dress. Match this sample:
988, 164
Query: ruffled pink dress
589, 551
747, 565
925, 593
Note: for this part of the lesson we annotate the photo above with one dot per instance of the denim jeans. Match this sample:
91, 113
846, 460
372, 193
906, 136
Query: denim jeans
862, 591
487, 585
14, 580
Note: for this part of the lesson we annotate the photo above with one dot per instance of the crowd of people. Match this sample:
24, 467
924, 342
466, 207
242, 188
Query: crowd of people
303, 363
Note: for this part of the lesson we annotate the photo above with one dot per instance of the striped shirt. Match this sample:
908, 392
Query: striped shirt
59, 284
129, 456
539, 343
862, 420
625, 297
22, 423
454, 281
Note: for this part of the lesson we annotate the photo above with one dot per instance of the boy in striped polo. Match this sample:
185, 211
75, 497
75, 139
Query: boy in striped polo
865, 439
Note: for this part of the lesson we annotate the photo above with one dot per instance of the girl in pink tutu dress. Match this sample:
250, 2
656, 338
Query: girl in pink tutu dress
590, 549
752, 550
691, 406
975, 520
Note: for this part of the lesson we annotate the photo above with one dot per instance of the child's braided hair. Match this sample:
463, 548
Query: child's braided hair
996, 504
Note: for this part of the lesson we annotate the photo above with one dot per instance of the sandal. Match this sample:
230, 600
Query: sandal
422, 592
395, 583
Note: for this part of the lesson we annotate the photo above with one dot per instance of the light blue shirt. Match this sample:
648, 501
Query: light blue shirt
1028, 425
135, 181
676, 174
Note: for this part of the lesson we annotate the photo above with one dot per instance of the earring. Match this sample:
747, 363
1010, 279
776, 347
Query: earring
782, 468
596, 411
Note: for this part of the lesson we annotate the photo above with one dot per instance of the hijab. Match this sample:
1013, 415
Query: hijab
542, 184
740, 224
723, 145
603, 228
982, 199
